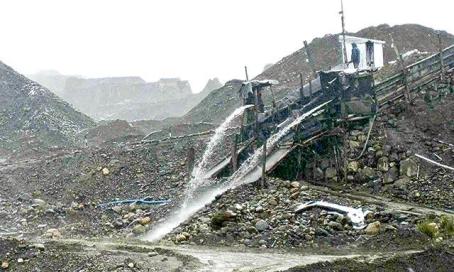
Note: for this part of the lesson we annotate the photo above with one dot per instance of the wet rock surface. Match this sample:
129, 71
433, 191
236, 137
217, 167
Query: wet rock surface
266, 218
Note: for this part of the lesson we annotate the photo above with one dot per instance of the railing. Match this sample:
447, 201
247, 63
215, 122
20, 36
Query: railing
417, 75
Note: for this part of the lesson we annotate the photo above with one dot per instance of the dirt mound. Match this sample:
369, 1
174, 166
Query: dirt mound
32, 117
112, 131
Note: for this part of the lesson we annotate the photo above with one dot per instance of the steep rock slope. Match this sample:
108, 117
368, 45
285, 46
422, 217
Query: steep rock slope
212, 84
217, 105
325, 53
33, 117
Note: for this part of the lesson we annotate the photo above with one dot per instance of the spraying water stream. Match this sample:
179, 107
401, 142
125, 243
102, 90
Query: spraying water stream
193, 204
198, 176
198, 179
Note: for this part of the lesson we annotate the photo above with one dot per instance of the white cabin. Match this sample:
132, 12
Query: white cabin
371, 52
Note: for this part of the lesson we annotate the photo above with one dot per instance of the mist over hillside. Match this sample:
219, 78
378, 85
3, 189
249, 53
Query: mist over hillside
126, 98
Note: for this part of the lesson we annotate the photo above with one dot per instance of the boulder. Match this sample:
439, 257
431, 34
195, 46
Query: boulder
261, 225
321, 232
295, 184
220, 217
318, 173
402, 183
353, 166
408, 168
144, 220
273, 202
138, 229
105, 171
373, 228
367, 173
330, 173
238, 207
53, 233
180, 237
335, 225
383, 164
391, 175
325, 163
295, 195
228, 214
259, 209
39, 203
354, 144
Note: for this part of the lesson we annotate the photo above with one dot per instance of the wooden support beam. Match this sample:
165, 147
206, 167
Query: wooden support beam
256, 111
440, 50
234, 160
310, 89
273, 97
190, 161
299, 163
301, 86
263, 179
344, 46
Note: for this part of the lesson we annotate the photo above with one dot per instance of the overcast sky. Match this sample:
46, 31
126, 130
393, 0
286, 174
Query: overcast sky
190, 39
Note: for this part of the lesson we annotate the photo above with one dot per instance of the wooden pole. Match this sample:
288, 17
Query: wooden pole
234, 160
312, 65
243, 116
343, 33
310, 89
404, 70
298, 160
274, 98
440, 50
245, 71
256, 101
301, 87
263, 180
190, 160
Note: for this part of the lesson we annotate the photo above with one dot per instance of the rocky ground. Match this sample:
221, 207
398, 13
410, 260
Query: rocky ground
49, 256
266, 218
66, 191
67, 194
433, 259
47, 200
389, 166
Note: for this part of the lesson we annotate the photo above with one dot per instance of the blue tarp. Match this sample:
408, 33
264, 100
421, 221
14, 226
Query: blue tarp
140, 201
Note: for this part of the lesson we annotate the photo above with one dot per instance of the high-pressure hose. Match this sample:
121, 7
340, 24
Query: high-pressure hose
371, 125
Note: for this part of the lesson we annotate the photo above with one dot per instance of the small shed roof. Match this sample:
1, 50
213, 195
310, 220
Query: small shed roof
352, 39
